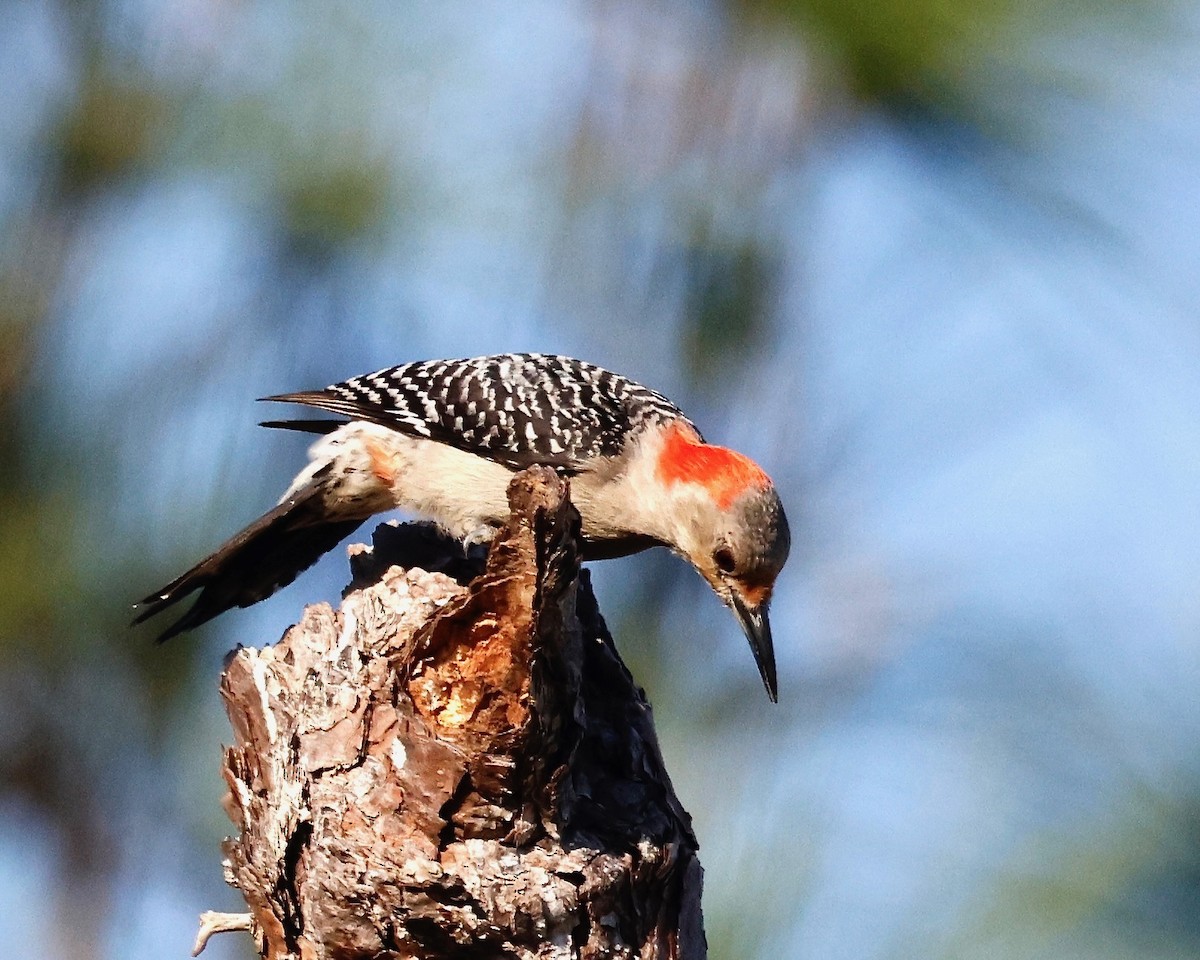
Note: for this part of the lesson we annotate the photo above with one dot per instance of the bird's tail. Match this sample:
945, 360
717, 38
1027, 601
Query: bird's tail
256, 562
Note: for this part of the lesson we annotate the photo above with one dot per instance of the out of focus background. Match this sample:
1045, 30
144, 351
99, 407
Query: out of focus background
935, 265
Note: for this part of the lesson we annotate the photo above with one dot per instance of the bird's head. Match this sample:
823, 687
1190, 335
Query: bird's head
747, 547
734, 532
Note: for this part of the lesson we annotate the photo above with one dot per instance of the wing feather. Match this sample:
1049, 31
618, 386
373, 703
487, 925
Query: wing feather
515, 409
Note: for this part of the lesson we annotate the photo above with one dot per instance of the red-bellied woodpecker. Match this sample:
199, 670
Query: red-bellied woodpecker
442, 438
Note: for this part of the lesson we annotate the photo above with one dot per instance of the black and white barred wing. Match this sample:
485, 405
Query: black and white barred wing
515, 409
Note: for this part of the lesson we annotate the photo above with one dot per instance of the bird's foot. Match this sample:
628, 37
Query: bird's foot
481, 536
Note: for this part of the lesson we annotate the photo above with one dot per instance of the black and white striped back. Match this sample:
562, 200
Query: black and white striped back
515, 409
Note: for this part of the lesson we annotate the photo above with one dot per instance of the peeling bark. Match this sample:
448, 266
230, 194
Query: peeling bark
457, 764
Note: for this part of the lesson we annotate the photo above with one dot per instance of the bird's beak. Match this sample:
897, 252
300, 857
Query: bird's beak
758, 631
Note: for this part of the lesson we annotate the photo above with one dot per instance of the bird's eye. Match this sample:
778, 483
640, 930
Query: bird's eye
723, 558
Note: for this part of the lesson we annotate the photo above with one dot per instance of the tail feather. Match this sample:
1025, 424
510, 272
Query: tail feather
333, 403
253, 564
322, 400
304, 426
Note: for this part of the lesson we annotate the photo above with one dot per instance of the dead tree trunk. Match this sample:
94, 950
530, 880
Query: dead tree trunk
456, 764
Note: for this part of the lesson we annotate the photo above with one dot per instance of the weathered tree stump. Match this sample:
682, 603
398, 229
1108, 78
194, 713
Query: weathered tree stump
456, 764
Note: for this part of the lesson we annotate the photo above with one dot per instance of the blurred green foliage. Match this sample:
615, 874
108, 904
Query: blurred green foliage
35, 572
1135, 895
727, 306
330, 201
927, 52
118, 126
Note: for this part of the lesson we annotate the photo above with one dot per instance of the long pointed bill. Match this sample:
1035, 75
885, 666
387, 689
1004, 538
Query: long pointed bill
758, 631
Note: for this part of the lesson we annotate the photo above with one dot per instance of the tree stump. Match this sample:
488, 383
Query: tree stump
456, 763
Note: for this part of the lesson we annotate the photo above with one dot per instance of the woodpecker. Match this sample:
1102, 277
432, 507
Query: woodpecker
442, 438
